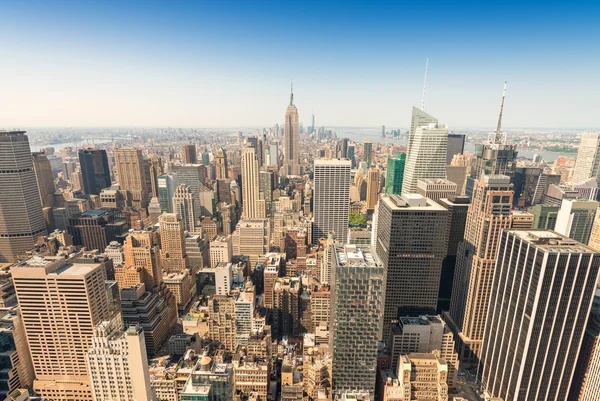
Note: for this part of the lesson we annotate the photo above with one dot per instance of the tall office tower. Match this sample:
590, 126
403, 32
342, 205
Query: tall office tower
411, 243
267, 183
118, 364
495, 157
287, 307
274, 267
426, 155
153, 168
383, 131
250, 185
189, 154
526, 183
273, 154
457, 175
94, 170
456, 146
21, 217
575, 219
351, 155
419, 118
60, 304
458, 208
489, 214
544, 182
166, 190
221, 250
221, 321
291, 147
372, 188
358, 278
331, 198
142, 251
395, 173
44, 178
172, 241
96, 228
436, 189
540, 301
184, 206
221, 164
587, 164
131, 175
344, 148
194, 176
368, 152
544, 216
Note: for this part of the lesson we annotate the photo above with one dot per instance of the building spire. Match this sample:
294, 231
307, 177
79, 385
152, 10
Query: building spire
499, 126
291, 92
425, 84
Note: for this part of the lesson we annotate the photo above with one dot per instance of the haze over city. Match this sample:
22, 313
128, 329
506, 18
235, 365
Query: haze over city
229, 64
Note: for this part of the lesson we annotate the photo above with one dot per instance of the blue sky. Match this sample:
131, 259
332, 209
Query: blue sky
229, 63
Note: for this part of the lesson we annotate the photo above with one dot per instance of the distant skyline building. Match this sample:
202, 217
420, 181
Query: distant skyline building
358, 278
132, 175
189, 154
44, 178
221, 164
331, 202
411, 243
541, 296
94, 170
395, 173
21, 217
184, 206
587, 164
456, 146
291, 148
426, 150
489, 214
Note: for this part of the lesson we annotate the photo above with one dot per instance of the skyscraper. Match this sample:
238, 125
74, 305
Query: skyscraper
426, 151
331, 198
587, 164
94, 170
194, 176
184, 206
540, 301
172, 241
411, 243
291, 138
575, 219
395, 173
489, 214
44, 178
456, 146
250, 185
21, 217
61, 303
358, 287
142, 251
221, 164
189, 154
495, 157
166, 190
118, 364
372, 188
131, 175
368, 152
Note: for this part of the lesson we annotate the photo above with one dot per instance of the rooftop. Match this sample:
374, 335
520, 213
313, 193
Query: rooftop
550, 241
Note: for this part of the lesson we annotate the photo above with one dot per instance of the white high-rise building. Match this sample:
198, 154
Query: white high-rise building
331, 198
118, 364
223, 278
184, 205
588, 158
426, 151
250, 185
575, 219
540, 300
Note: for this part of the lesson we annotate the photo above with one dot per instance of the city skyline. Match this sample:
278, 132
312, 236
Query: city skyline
167, 66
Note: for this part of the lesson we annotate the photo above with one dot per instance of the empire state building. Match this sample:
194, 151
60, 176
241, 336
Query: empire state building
291, 138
